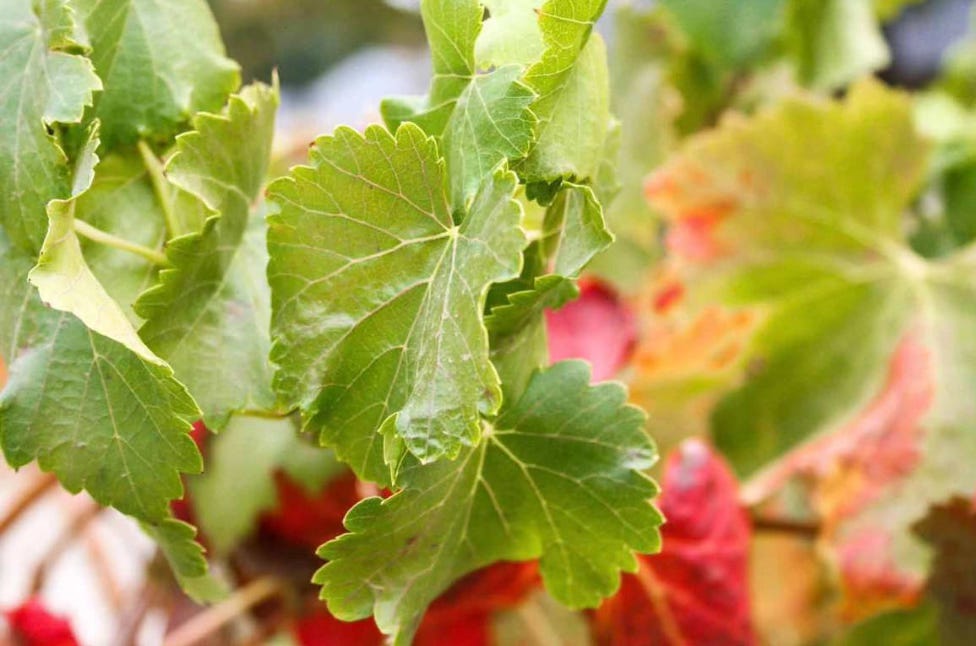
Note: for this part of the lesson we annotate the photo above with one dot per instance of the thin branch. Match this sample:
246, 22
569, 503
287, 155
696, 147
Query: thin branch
39, 485
161, 187
805, 529
213, 618
132, 617
86, 230
102, 565
69, 534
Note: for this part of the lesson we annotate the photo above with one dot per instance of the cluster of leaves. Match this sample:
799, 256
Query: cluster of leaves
402, 314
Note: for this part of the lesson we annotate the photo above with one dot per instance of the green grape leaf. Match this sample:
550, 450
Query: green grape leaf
861, 360
558, 477
572, 84
510, 35
95, 413
160, 62
45, 83
647, 106
377, 295
121, 201
185, 555
209, 314
63, 278
452, 30
835, 41
729, 35
573, 233
490, 123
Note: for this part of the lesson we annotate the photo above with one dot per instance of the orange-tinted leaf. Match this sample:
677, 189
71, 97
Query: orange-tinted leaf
598, 327
859, 465
695, 592
33, 625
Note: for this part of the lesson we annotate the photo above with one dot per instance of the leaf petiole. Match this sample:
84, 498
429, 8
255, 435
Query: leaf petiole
160, 185
86, 230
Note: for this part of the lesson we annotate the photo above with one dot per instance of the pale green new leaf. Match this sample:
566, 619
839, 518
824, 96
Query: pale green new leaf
510, 35
836, 41
452, 28
161, 62
573, 104
63, 278
377, 295
45, 82
86, 407
558, 477
121, 201
209, 314
491, 122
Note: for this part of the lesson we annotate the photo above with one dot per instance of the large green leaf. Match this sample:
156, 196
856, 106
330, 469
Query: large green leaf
161, 62
209, 314
95, 413
558, 477
377, 295
45, 82
863, 353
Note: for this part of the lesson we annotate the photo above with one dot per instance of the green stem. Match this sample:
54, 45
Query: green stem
86, 230
161, 187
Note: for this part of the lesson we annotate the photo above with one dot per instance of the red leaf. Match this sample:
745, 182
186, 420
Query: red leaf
310, 520
33, 625
597, 327
695, 592
319, 628
462, 615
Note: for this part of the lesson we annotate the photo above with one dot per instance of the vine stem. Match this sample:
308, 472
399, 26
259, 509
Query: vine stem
211, 619
76, 525
39, 485
764, 523
158, 178
86, 230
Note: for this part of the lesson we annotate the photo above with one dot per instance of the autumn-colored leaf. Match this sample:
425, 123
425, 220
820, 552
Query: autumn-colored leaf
462, 616
696, 591
858, 465
598, 327
33, 624
318, 627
